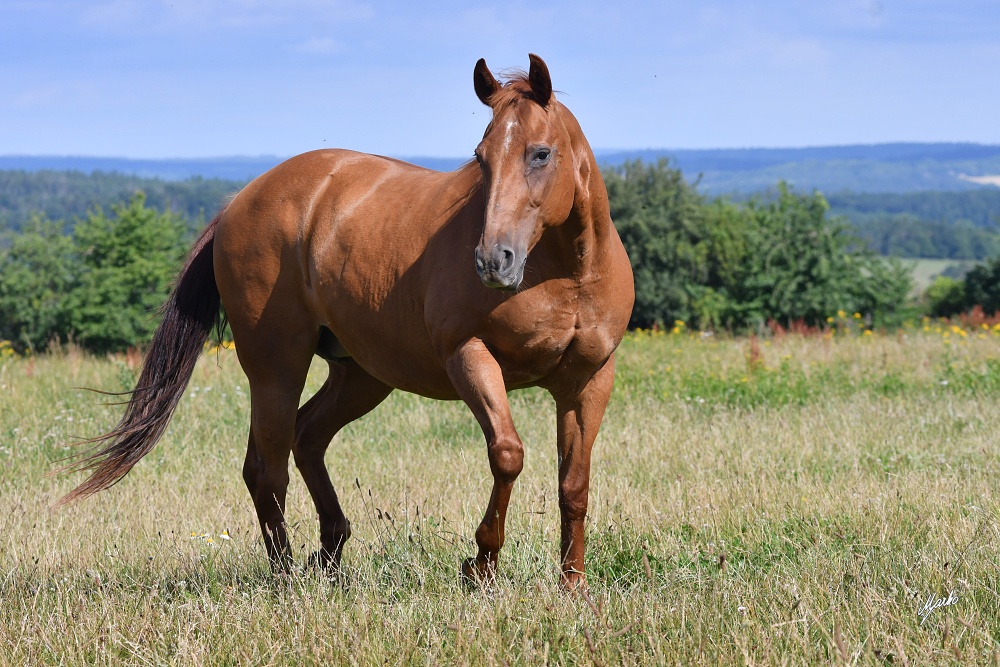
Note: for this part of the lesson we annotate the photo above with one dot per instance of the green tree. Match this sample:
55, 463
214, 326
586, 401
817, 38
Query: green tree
36, 271
719, 264
127, 262
982, 286
682, 248
803, 265
883, 289
945, 297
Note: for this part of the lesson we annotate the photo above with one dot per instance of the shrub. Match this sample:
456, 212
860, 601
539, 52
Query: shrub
102, 285
945, 297
713, 263
982, 286
36, 272
127, 262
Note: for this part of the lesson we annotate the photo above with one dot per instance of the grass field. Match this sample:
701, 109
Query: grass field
788, 501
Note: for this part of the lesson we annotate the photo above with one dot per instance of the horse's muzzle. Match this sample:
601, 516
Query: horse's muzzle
499, 268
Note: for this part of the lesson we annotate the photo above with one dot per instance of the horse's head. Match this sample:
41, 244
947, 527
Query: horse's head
529, 176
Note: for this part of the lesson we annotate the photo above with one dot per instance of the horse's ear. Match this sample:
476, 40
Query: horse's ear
541, 82
485, 84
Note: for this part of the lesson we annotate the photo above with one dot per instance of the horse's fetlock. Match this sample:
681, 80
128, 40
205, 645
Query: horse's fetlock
489, 539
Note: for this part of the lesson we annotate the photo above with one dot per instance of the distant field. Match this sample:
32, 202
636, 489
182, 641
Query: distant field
792, 501
894, 167
926, 270
982, 180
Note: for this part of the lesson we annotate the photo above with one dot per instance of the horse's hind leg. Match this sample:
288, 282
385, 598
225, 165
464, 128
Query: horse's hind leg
276, 374
349, 393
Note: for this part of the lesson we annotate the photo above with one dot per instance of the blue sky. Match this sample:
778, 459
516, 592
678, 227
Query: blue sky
197, 78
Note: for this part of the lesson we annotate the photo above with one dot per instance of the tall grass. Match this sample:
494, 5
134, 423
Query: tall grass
785, 501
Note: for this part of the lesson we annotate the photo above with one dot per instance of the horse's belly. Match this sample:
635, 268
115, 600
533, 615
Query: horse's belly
417, 374
398, 353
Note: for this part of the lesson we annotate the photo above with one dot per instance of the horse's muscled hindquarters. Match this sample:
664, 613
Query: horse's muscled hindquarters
503, 274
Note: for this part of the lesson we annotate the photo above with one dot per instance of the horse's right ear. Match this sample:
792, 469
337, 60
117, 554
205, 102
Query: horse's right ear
485, 84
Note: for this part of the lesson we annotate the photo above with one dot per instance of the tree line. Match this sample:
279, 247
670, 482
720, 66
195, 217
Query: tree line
70, 195
962, 225
944, 225
713, 263
948, 296
99, 285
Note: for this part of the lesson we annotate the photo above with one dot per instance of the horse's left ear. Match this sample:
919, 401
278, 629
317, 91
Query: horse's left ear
484, 82
541, 82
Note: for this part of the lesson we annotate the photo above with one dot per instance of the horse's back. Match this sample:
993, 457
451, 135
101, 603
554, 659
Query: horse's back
339, 239
302, 218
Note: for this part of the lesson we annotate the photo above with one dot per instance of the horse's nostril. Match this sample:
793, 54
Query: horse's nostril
508, 259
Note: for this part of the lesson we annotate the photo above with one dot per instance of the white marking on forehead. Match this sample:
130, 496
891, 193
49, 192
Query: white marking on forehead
508, 137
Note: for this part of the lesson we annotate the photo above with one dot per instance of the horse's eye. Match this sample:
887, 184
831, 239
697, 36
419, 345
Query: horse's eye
540, 156
479, 158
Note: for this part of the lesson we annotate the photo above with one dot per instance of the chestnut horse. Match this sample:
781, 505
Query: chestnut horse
368, 263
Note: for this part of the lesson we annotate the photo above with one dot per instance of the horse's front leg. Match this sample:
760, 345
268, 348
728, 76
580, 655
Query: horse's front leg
579, 412
479, 381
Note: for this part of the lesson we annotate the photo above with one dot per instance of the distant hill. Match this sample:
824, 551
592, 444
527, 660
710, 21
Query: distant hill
241, 169
880, 168
910, 200
897, 167
69, 195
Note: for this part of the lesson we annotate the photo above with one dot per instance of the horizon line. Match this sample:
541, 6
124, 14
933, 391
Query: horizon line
597, 151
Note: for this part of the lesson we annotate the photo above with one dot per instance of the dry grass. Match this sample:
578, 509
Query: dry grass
794, 506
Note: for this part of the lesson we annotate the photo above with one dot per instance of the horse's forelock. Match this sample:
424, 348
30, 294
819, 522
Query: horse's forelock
515, 87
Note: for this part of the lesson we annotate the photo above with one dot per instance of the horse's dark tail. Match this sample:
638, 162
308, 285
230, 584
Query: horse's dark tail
189, 316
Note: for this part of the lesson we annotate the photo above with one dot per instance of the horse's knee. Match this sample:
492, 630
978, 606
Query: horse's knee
506, 458
272, 479
573, 501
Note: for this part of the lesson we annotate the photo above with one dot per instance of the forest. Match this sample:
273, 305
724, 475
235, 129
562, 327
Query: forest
960, 225
70, 196
88, 257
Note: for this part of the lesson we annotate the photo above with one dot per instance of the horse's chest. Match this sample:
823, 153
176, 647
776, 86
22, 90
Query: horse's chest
545, 341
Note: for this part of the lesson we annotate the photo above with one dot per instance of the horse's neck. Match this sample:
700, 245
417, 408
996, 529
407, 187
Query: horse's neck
587, 231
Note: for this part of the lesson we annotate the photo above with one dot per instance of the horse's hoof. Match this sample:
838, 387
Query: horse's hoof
319, 560
324, 561
573, 582
475, 573
282, 564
